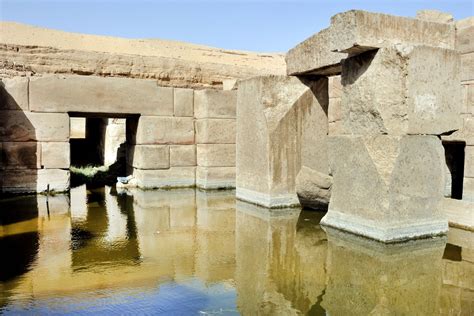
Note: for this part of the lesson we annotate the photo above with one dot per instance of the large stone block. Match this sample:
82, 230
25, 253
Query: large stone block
182, 155
334, 87
55, 155
149, 156
281, 121
20, 155
313, 56
183, 102
163, 130
167, 178
469, 161
99, 94
468, 98
313, 188
215, 177
464, 38
215, 131
467, 67
214, 103
357, 31
387, 188
77, 127
14, 93
35, 180
215, 155
18, 126
402, 90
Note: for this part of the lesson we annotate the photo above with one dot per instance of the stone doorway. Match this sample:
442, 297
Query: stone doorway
455, 157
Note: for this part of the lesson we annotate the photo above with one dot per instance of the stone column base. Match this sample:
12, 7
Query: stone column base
267, 200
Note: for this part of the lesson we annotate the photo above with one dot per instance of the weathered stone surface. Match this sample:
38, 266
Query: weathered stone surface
465, 134
402, 90
229, 84
467, 67
274, 115
78, 127
183, 102
469, 161
334, 110
335, 87
313, 188
182, 155
101, 95
115, 138
215, 131
464, 38
166, 178
215, 155
149, 156
468, 189
163, 130
14, 94
214, 104
215, 177
434, 16
468, 98
35, 180
387, 187
357, 31
27, 126
55, 155
313, 56
20, 155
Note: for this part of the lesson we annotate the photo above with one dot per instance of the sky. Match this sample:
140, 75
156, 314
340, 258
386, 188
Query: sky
254, 25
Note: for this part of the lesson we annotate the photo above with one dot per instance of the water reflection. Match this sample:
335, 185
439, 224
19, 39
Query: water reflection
185, 251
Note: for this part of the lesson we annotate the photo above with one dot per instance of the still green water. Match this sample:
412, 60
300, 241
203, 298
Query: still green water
188, 252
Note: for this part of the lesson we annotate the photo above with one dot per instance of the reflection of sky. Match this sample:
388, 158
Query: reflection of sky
184, 298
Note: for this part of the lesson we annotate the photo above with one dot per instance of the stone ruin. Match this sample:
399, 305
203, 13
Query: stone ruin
373, 121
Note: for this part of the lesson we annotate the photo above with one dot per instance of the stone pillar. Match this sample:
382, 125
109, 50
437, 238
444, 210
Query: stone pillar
215, 138
281, 126
114, 138
389, 165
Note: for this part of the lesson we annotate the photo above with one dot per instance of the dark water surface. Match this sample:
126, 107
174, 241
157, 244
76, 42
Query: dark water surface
188, 252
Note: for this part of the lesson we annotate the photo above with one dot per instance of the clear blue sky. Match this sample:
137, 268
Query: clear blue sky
245, 25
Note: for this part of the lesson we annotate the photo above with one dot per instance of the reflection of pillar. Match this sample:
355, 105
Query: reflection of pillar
215, 238
279, 270
371, 278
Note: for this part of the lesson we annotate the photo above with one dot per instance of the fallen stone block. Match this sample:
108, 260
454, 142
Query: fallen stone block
402, 90
162, 130
215, 177
464, 38
20, 155
214, 104
55, 155
14, 93
281, 124
388, 188
182, 155
313, 188
215, 155
149, 156
355, 32
434, 16
99, 94
183, 102
167, 178
313, 56
215, 131
18, 126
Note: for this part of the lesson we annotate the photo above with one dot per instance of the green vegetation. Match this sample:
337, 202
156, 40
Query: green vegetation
98, 175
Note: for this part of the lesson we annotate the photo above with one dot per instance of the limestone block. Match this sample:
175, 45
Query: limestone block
468, 189
182, 155
34, 180
20, 155
163, 130
402, 90
335, 128
149, 156
335, 87
14, 93
215, 131
334, 110
183, 102
167, 178
434, 16
464, 38
78, 127
18, 126
313, 56
99, 94
313, 188
229, 84
215, 155
215, 177
468, 98
357, 31
465, 134
56, 179
55, 155
281, 122
214, 104
469, 161
387, 188
467, 67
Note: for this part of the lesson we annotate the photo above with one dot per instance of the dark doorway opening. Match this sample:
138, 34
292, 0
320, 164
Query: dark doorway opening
454, 152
